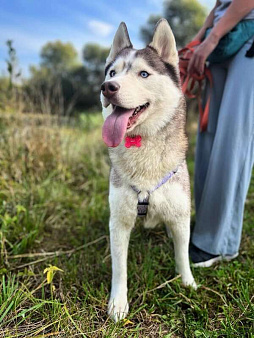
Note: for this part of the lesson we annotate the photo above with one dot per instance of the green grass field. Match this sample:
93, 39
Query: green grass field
54, 213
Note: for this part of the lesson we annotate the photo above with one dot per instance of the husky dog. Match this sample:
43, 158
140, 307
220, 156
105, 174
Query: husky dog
144, 128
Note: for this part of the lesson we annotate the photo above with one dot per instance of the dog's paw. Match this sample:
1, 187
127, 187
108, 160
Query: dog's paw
118, 308
190, 282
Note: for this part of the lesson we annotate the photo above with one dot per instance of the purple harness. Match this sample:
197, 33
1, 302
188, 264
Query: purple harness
142, 206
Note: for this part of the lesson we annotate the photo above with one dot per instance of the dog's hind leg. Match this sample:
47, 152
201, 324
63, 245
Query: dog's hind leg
180, 230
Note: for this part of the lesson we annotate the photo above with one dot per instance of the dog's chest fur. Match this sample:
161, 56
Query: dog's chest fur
144, 167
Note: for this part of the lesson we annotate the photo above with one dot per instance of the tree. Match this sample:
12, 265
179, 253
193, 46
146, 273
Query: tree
58, 56
184, 16
10, 87
50, 88
61, 85
146, 31
94, 57
12, 64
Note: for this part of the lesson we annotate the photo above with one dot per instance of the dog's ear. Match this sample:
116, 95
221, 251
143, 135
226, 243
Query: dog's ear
121, 41
164, 42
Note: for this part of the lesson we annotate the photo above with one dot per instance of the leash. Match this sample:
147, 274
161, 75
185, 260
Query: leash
188, 81
142, 206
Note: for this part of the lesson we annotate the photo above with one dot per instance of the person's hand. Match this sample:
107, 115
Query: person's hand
201, 53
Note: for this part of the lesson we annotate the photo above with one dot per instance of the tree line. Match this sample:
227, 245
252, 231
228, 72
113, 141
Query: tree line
63, 85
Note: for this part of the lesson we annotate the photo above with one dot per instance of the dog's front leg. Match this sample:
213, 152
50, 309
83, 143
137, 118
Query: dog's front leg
122, 219
119, 239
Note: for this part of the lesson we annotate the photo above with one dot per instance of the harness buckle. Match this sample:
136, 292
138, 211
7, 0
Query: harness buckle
142, 206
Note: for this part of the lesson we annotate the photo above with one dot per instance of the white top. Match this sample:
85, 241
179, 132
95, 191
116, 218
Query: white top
221, 9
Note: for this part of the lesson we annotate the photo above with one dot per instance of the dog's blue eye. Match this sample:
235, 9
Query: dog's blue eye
112, 73
144, 74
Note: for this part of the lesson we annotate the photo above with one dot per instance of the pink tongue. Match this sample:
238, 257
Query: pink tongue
115, 126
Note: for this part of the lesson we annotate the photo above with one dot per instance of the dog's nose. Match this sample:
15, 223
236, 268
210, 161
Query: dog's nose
109, 88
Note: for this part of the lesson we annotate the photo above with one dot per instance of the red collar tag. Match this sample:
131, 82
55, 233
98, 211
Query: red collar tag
134, 141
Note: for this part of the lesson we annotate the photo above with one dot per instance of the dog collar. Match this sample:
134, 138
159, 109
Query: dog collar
142, 206
133, 141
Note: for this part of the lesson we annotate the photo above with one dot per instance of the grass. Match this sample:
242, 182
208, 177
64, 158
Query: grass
54, 212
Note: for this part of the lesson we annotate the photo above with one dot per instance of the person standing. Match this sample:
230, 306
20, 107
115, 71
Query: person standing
225, 151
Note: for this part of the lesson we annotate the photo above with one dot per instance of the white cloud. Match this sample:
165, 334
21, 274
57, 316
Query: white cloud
25, 42
100, 28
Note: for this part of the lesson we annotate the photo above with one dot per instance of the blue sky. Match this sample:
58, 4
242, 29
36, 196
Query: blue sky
32, 23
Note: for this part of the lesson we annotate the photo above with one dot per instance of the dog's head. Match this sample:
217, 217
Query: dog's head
142, 87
